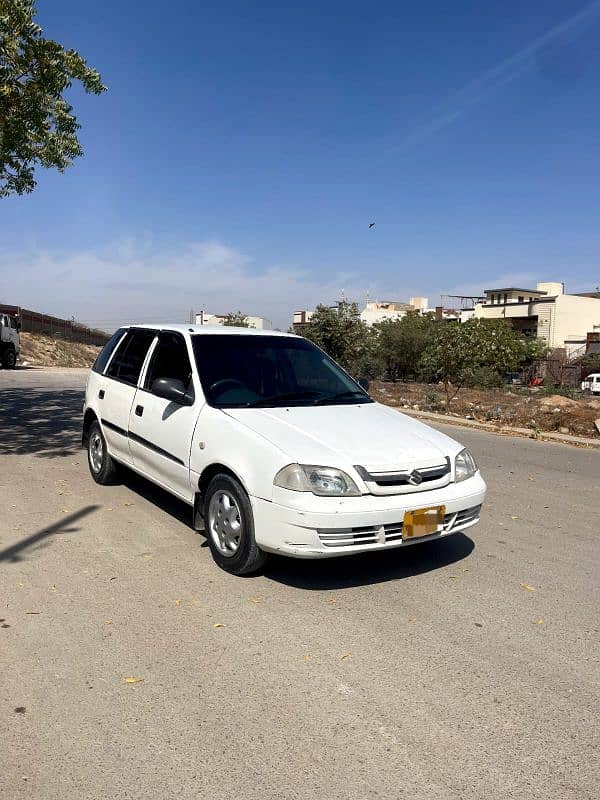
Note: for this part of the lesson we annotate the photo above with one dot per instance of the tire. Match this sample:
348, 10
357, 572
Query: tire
229, 526
9, 358
103, 468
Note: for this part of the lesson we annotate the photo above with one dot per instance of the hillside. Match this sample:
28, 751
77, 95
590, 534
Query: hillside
39, 350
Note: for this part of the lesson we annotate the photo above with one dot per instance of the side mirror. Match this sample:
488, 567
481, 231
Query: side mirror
173, 390
19, 325
363, 383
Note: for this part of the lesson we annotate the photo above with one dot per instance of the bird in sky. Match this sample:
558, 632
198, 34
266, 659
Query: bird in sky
371, 225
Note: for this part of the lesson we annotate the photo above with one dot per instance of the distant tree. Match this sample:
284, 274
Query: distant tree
477, 352
344, 336
235, 319
401, 343
37, 125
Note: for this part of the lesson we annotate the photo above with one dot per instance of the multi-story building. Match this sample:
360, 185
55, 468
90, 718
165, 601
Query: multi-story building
561, 319
380, 310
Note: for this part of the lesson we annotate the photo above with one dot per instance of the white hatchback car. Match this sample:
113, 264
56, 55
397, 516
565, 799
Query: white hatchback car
274, 446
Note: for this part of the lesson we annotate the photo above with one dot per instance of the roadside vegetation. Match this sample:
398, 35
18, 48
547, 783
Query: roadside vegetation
479, 352
459, 369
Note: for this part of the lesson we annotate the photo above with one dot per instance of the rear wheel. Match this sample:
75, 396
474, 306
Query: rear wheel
103, 467
229, 526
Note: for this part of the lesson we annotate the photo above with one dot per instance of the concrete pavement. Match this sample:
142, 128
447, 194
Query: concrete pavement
465, 668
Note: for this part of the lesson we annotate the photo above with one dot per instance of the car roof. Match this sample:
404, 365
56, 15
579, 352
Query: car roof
224, 330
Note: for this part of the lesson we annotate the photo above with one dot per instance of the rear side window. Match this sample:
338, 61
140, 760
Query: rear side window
107, 351
169, 360
127, 363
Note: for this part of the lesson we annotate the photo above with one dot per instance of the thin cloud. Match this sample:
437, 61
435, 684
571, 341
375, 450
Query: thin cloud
503, 73
138, 281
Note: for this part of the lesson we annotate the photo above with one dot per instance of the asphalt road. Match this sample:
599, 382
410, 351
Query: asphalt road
466, 668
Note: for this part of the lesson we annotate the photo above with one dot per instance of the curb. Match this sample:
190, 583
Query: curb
546, 436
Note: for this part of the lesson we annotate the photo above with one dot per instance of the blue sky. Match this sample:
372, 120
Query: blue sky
243, 148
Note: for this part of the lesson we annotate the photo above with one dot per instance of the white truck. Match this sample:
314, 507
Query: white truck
10, 344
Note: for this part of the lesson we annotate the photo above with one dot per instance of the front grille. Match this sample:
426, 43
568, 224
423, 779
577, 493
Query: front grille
406, 480
403, 478
392, 532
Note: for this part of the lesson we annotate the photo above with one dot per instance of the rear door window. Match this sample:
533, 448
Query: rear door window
129, 358
100, 363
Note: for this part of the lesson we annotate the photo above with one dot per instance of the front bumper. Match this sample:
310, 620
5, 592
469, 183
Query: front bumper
316, 529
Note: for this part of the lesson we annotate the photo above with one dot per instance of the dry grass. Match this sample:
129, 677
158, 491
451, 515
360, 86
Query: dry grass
503, 407
48, 351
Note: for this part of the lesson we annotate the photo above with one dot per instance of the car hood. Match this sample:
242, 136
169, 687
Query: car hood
371, 435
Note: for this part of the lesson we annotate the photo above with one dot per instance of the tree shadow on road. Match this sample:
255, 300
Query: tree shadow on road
37, 422
368, 568
14, 552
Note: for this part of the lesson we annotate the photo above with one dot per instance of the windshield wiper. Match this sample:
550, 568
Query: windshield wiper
281, 398
333, 398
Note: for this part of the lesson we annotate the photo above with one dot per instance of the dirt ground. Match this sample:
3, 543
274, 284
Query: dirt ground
506, 406
47, 351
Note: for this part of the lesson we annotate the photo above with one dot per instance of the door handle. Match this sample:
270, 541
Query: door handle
139, 410
101, 394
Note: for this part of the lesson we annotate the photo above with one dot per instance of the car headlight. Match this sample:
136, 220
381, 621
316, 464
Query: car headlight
465, 466
323, 481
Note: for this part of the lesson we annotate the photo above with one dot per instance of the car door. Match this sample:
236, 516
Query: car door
160, 431
117, 388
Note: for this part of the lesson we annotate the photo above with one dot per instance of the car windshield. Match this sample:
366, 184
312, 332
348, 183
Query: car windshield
253, 371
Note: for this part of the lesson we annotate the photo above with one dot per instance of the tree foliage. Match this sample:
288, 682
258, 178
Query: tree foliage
344, 336
37, 124
534, 349
401, 343
477, 352
236, 319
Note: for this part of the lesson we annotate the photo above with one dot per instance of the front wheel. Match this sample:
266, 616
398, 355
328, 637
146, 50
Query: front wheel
9, 358
229, 525
102, 466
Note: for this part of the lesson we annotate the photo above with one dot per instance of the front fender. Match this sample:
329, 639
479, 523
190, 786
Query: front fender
220, 439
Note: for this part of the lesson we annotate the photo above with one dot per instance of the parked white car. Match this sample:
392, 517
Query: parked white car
272, 444
591, 383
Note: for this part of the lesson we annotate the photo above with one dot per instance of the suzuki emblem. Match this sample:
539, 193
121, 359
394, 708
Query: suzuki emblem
415, 477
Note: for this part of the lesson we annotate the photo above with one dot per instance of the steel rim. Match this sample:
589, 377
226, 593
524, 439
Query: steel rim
10, 359
225, 523
96, 451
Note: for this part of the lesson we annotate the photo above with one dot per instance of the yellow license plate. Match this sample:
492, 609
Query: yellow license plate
423, 522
